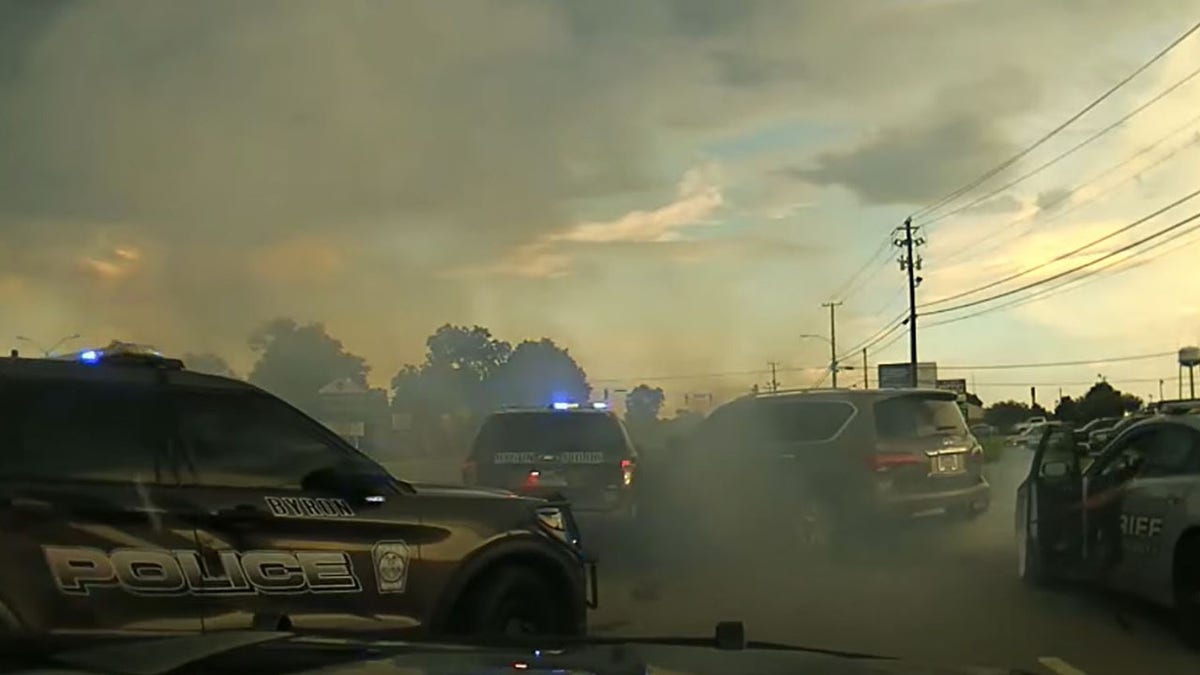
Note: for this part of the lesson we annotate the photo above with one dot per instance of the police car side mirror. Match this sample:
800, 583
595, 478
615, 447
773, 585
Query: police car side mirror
360, 489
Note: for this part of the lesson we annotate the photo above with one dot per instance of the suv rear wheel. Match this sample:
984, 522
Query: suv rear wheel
515, 601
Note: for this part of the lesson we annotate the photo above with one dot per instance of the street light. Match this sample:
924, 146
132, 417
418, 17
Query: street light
833, 362
48, 352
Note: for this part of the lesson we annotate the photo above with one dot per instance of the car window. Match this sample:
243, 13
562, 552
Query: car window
1058, 448
239, 440
586, 436
917, 416
1171, 451
1127, 457
71, 430
806, 421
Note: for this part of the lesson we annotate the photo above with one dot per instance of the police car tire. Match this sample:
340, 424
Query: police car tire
516, 597
1187, 592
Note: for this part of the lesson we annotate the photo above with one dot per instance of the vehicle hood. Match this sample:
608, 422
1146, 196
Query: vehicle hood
652, 660
254, 651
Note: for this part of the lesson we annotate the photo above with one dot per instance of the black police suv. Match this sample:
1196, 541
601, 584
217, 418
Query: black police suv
138, 496
578, 452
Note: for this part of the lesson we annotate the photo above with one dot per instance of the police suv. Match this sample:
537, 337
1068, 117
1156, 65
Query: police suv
581, 453
138, 496
1127, 518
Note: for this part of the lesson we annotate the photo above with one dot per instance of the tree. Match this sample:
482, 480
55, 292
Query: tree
1067, 409
205, 362
1131, 403
1006, 414
643, 404
297, 360
538, 373
1101, 400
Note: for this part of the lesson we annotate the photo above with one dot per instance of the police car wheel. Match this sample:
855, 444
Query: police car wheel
1187, 591
515, 602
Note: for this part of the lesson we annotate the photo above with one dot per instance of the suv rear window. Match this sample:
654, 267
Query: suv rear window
917, 417
806, 421
576, 438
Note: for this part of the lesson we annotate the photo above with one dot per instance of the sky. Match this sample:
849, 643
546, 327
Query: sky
668, 188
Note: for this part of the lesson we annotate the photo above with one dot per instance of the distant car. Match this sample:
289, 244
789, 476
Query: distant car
1028, 436
815, 464
1028, 424
1098, 438
1083, 434
1129, 520
581, 453
983, 430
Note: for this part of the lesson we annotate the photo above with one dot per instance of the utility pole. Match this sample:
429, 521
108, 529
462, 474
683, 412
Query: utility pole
866, 369
774, 381
1160, 391
833, 362
910, 264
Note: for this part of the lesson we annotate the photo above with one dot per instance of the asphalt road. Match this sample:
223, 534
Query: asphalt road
935, 590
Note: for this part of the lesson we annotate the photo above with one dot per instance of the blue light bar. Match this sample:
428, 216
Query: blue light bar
563, 405
600, 405
90, 356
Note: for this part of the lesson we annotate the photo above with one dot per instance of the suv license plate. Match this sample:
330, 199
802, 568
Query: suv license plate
948, 464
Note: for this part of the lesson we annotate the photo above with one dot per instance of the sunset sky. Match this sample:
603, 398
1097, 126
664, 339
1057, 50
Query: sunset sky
667, 188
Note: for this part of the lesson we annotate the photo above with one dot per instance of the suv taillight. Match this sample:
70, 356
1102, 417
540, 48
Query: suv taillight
627, 466
885, 461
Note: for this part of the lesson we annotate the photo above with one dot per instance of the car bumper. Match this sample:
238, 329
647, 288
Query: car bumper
977, 496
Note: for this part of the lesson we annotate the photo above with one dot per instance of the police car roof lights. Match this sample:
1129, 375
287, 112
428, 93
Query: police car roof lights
564, 405
126, 352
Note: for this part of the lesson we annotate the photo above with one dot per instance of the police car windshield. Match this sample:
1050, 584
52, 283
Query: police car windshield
550, 433
917, 416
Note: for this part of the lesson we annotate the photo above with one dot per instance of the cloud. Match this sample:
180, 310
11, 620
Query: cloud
698, 199
1052, 198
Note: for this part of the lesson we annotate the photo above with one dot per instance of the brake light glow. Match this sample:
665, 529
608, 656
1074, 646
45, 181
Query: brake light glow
885, 461
532, 479
627, 472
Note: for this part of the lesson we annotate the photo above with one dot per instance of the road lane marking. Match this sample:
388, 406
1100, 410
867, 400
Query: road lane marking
1059, 666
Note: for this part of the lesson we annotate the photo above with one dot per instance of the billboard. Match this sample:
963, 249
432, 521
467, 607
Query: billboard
897, 375
958, 386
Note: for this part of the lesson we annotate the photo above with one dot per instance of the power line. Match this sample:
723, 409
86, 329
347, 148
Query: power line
1070, 120
887, 329
1059, 275
1056, 364
1073, 283
1065, 255
1121, 380
955, 255
1068, 152
844, 289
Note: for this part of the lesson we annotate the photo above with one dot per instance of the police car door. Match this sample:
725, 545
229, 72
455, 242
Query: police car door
89, 535
284, 548
1048, 502
1153, 513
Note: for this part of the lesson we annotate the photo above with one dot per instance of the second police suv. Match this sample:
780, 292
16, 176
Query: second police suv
138, 496
1126, 517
